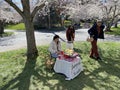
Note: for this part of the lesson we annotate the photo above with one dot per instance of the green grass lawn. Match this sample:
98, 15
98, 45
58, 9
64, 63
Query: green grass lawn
115, 31
15, 74
19, 26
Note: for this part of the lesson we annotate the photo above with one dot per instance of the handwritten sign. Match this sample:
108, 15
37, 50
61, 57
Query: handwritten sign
76, 68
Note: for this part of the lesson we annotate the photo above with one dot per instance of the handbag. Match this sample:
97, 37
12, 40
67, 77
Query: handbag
89, 39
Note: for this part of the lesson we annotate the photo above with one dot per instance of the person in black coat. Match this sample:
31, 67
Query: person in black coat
96, 32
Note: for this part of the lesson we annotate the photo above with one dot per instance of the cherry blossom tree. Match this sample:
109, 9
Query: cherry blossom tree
6, 15
107, 10
111, 12
52, 12
81, 9
27, 14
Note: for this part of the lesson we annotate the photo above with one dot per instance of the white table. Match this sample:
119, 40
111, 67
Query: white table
70, 69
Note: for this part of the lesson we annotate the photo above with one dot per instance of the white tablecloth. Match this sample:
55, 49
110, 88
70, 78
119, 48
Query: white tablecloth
69, 68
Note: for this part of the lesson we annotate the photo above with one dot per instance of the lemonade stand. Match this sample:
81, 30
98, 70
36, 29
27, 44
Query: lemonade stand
68, 63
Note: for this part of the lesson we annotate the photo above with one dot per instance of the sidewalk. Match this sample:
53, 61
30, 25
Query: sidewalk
18, 40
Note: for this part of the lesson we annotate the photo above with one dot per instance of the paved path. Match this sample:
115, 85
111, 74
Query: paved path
18, 40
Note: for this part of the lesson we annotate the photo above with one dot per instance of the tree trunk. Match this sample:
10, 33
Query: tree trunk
108, 27
49, 21
116, 25
1, 27
32, 51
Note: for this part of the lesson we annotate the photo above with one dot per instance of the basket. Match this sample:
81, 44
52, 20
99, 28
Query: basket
49, 64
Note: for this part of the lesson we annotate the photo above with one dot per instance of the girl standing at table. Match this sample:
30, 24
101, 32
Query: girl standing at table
55, 46
70, 34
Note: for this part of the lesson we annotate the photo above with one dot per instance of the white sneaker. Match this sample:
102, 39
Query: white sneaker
67, 78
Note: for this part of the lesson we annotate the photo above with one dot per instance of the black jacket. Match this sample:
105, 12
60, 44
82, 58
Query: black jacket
93, 32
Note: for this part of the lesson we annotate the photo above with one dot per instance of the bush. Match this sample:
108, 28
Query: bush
67, 23
19, 26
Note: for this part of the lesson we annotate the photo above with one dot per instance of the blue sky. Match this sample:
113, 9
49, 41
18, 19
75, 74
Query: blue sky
19, 3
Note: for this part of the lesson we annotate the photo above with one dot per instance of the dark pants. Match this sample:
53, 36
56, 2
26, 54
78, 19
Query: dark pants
94, 49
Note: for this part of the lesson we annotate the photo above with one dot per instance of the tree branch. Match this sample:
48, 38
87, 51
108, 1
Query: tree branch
110, 9
117, 15
26, 6
15, 7
36, 9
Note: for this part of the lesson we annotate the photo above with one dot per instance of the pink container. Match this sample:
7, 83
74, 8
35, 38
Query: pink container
61, 52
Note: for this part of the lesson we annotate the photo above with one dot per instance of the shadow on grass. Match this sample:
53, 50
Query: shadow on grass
22, 81
110, 66
41, 78
32, 76
77, 83
108, 72
110, 63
